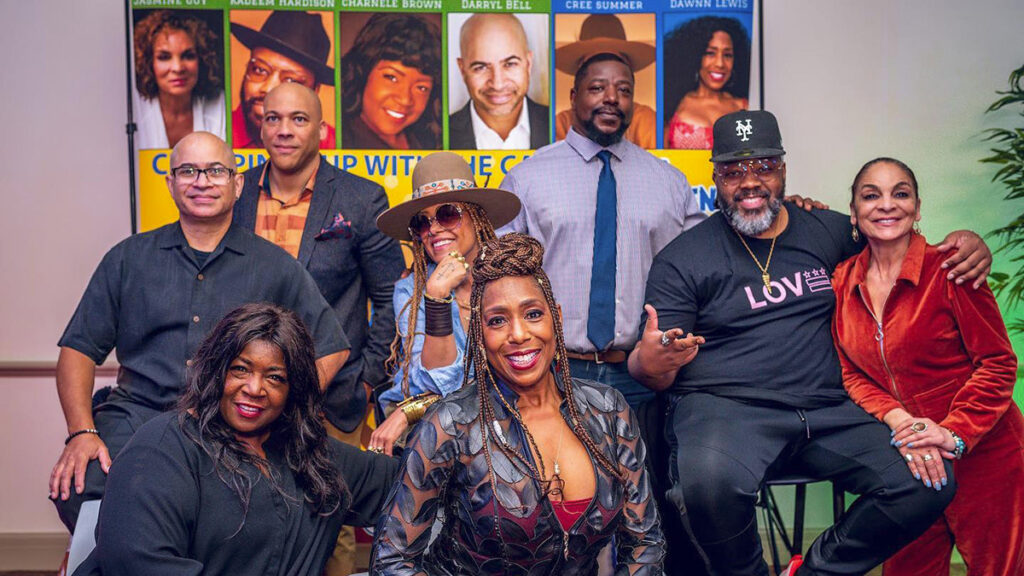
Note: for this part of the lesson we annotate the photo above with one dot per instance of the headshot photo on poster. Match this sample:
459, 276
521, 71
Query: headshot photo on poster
269, 47
632, 37
390, 81
178, 86
498, 74
706, 75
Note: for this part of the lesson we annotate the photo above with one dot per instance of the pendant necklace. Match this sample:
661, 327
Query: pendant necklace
765, 277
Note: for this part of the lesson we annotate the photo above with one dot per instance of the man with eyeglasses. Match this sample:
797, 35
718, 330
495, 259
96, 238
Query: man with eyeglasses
290, 47
153, 298
738, 330
325, 217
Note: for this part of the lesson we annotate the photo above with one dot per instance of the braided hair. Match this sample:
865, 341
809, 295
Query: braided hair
518, 255
401, 353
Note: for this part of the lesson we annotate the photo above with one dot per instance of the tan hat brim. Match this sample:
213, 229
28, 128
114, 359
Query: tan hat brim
500, 206
569, 57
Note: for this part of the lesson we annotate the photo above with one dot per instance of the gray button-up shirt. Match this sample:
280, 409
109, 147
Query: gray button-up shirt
558, 189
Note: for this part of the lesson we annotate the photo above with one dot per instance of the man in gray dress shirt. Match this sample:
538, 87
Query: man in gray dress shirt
558, 189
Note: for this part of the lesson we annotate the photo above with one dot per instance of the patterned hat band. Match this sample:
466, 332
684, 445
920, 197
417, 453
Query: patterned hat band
439, 186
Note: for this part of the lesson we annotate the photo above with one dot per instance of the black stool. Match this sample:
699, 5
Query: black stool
794, 543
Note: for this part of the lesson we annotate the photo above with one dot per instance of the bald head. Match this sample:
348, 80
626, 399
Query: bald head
292, 129
495, 63
297, 97
499, 28
203, 147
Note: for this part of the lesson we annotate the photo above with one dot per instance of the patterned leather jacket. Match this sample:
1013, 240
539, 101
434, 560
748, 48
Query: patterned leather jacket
444, 474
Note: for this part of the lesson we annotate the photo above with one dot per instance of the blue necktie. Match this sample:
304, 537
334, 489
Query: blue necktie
601, 317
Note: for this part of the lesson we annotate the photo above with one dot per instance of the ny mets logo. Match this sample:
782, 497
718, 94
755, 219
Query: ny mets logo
744, 130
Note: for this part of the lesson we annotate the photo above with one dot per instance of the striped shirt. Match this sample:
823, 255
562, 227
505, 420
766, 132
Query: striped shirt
279, 221
558, 189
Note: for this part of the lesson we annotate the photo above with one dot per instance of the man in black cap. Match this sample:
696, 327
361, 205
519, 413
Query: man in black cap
289, 47
738, 331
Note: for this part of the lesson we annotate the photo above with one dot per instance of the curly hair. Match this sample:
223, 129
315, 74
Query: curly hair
299, 429
688, 42
206, 41
509, 256
406, 38
401, 346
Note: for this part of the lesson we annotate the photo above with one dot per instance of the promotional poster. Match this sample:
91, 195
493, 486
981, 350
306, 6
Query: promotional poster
397, 79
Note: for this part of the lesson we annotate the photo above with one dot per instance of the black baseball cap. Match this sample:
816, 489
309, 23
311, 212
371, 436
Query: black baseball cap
746, 134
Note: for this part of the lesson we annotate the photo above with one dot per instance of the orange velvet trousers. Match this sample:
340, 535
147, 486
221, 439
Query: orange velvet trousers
986, 519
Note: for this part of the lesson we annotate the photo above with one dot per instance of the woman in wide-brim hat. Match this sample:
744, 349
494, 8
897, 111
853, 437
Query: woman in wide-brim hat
447, 220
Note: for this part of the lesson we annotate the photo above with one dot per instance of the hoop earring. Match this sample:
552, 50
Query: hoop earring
855, 234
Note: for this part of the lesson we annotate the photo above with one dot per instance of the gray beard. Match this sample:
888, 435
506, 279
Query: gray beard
753, 226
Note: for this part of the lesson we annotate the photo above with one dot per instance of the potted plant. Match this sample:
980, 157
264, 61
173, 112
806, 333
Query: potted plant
1009, 155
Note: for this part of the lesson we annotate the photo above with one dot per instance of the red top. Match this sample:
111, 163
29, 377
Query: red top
946, 352
568, 511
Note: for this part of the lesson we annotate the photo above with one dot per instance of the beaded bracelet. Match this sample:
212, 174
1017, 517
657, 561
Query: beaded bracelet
959, 446
80, 432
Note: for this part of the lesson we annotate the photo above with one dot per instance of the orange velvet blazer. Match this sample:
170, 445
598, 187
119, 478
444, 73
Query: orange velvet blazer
941, 350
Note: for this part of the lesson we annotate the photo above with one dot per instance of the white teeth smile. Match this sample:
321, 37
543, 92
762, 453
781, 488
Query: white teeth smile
248, 411
522, 359
716, 76
395, 115
442, 243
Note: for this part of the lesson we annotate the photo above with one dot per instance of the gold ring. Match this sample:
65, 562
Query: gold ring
919, 426
454, 254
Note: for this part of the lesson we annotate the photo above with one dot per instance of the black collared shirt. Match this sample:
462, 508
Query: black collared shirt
154, 303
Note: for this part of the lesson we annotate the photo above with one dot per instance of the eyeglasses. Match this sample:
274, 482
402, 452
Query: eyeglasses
447, 216
733, 173
216, 175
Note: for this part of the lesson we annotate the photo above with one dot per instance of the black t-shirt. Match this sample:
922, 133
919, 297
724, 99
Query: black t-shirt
766, 347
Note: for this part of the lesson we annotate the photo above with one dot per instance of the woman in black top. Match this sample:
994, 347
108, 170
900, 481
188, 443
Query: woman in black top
242, 478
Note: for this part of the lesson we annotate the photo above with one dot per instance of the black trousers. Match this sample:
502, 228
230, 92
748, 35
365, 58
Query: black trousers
721, 450
117, 420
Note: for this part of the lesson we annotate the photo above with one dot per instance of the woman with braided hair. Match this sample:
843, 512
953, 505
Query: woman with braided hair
445, 221
533, 472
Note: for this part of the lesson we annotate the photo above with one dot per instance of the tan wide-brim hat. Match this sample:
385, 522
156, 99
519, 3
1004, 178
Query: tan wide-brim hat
446, 177
601, 34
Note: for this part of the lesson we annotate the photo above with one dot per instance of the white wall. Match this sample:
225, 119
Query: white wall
63, 180
848, 80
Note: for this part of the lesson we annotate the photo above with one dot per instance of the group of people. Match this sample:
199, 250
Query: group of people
391, 79
537, 318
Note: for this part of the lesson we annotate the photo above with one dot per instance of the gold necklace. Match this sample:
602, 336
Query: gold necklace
765, 277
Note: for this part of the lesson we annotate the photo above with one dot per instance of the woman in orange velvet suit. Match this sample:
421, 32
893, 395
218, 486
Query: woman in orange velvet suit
931, 358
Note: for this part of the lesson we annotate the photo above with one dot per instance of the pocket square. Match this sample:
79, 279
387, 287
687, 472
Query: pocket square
339, 228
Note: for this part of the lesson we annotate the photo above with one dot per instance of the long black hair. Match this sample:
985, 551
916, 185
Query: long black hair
407, 38
299, 429
687, 44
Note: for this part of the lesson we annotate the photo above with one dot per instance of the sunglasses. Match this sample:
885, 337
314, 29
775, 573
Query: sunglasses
733, 173
447, 216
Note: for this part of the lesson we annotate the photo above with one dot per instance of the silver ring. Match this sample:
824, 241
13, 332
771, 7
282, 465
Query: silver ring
919, 426
665, 339
909, 458
926, 457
